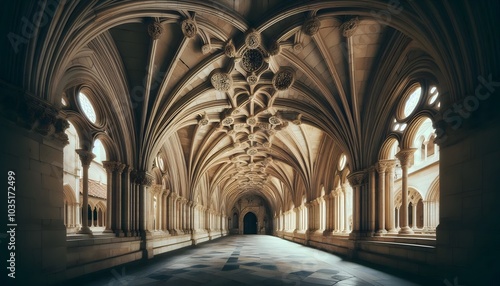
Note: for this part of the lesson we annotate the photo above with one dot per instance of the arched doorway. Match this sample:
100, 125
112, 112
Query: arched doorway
250, 223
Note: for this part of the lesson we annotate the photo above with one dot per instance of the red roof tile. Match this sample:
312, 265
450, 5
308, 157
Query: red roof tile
96, 189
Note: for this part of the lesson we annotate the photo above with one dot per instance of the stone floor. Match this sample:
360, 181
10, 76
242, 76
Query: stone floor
246, 260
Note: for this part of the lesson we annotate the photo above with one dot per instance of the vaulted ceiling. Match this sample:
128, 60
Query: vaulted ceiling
245, 96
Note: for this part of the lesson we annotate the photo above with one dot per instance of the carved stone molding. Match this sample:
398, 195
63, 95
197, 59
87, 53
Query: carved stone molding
311, 26
143, 178
229, 49
406, 156
386, 165
252, 60
33, 114
189, 28
297, 47
283, 79
357, 178
86, 156
253, 39
252, 79
155, 29
204, 120
252, 121
221, 81
349, 27
112, 166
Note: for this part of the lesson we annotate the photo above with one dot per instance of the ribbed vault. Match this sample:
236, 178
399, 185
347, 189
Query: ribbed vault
246, 96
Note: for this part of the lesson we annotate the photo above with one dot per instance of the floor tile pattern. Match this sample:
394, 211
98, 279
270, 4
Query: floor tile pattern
245, 260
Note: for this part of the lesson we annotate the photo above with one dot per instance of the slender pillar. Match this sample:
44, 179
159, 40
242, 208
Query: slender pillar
381, 169
110, 167
126, 200
144, 179
86, 158
343, 201
389, 198
414, 216
357, 180
372, 215
405, 158
117, 190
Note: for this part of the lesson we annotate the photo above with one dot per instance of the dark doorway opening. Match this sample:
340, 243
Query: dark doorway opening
250, 224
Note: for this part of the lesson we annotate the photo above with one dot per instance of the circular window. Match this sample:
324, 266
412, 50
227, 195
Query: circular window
412, 101
342, 162
87, 107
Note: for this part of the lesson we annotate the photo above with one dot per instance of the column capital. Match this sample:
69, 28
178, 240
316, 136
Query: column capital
357, 178
86, 156
406, 156
112, 166
143, 178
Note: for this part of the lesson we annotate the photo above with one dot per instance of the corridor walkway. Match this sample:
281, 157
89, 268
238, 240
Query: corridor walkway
246, 260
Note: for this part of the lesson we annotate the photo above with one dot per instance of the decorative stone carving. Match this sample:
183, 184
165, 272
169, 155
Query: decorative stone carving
406, 156
283, 79
274, 120
357, 178
252, 151
267, 145
252, 79
229, 49
204, 120
251, 136
349, 27
113, 166
264, 126
227, 121
34, 114
143, 178
221, 81
297, 47
155, 29
205, 49
275, 49
251, 121
253, 39
86, 156
189, 28
311, 26
252, 60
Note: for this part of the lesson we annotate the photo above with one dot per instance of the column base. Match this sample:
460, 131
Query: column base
108, 231
85, 230
405, 230
380, 232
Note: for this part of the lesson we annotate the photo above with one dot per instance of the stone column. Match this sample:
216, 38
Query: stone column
144, 180
357, 181
117, 189
372, 216
389, 196
381, 169
405, 158
343, 210
86, 158
110, 167
126, 218
414, 215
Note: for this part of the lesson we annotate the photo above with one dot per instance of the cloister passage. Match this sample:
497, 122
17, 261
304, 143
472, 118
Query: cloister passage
247, 260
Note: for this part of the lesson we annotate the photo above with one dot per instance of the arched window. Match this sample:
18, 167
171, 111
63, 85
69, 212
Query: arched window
86, 107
